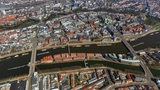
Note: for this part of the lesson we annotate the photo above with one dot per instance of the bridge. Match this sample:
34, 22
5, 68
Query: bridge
32, 62
142, 63
3, 9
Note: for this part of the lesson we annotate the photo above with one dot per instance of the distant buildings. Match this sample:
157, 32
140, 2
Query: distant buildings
83, 79
72, 28
151, 57
154, 7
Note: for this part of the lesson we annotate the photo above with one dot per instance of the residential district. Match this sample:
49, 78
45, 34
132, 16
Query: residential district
91, 79
79, 45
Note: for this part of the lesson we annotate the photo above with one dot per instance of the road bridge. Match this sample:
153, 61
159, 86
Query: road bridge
147, 72
32, 62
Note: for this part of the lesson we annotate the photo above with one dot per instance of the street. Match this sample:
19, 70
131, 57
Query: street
32, 63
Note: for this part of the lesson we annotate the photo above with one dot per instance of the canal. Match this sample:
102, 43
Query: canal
17, 65
150, 41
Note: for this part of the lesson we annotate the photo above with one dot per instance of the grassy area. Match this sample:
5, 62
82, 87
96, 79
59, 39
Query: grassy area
155, 72
21, 24
91, 64
154, 66
53, 15
13, 78
57, 69
158, 28
60, 66
30, 22
155, 69
52, 67
122, 67
94, 63
150, 20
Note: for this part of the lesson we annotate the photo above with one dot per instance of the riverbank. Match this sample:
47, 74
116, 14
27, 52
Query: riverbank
133, 38
52, 67
22, 77
148, 31
149, 41
61, 46
79, 65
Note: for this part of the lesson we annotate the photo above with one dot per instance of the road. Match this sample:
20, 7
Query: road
112, 87
14, 66
108, 77
58, 46
32, 64
146, 70
7, 64
150, 30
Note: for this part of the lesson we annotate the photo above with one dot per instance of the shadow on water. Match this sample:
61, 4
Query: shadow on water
149, 41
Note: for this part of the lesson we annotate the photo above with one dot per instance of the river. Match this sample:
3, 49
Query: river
150, 41
17, 66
